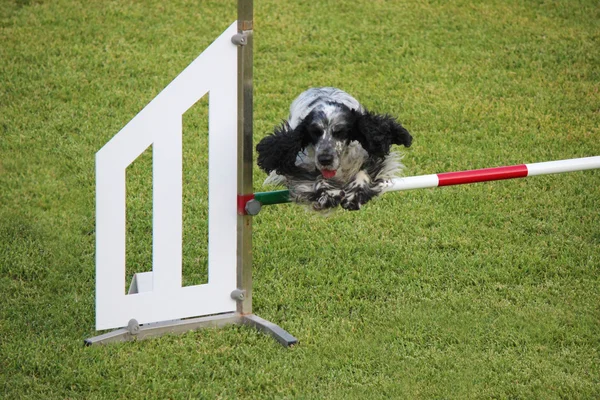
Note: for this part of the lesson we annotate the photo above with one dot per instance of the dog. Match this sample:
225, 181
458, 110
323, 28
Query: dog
332, 151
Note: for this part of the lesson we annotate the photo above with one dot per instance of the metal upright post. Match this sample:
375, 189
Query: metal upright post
243, 295
245, 187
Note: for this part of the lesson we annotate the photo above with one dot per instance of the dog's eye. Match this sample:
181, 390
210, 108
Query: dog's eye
314, 132
339, 133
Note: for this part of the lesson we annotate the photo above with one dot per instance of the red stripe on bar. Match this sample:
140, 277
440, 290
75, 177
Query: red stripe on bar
482, 175
242, 199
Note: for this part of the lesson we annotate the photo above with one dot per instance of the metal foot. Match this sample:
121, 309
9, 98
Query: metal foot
270, 328
139, 332
134, 331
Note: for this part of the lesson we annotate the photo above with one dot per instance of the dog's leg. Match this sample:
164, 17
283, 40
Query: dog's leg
320, 195
326, 195
360, 190
371, 180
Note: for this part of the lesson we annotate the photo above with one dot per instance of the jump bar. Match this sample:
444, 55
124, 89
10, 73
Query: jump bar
464, 177
493, 174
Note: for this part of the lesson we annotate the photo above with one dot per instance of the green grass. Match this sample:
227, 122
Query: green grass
480, 291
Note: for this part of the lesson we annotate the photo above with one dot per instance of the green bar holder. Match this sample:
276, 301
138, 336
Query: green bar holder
275, 197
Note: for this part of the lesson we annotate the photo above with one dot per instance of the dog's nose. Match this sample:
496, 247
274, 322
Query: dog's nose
325, 159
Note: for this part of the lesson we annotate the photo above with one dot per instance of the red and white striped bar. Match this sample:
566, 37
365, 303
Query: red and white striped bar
493, 174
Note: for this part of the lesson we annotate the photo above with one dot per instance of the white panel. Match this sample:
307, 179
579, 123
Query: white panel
222, 188
160, 124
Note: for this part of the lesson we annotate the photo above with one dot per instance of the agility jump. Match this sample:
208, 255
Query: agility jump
157, 303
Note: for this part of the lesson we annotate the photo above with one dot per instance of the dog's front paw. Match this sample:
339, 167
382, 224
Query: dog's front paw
354, 201
351, 205
358, 192
328, 199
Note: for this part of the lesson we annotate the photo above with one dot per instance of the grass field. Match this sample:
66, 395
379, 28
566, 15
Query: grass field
478, 291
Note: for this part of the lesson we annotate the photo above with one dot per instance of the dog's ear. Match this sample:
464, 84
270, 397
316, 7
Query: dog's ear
377, 132
278, 151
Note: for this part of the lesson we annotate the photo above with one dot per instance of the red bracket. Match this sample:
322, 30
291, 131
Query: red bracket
242, 199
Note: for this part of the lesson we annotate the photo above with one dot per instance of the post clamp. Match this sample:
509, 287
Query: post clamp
252, 207
133, 327
238, 295
239, 39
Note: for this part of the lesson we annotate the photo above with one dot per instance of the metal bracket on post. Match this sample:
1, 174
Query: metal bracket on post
133, 327
239, 39
253, 207
238, 295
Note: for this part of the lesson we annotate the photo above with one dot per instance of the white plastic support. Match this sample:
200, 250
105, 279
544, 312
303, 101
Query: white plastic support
141, 282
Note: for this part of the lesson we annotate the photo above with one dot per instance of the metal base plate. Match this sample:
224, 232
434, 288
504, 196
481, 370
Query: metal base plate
139, 332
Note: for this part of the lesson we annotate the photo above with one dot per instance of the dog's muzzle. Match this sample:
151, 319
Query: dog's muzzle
325, 163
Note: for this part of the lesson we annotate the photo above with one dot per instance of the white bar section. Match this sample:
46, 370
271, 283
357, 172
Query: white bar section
166, 204
412, 182
222, 185
557, 167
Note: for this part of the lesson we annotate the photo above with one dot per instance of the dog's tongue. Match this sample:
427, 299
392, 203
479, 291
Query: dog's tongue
328, 173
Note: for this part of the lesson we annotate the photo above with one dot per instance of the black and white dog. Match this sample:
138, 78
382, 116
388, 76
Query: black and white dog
332, 151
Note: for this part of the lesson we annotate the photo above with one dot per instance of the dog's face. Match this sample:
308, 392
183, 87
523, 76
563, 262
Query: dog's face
329, 130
